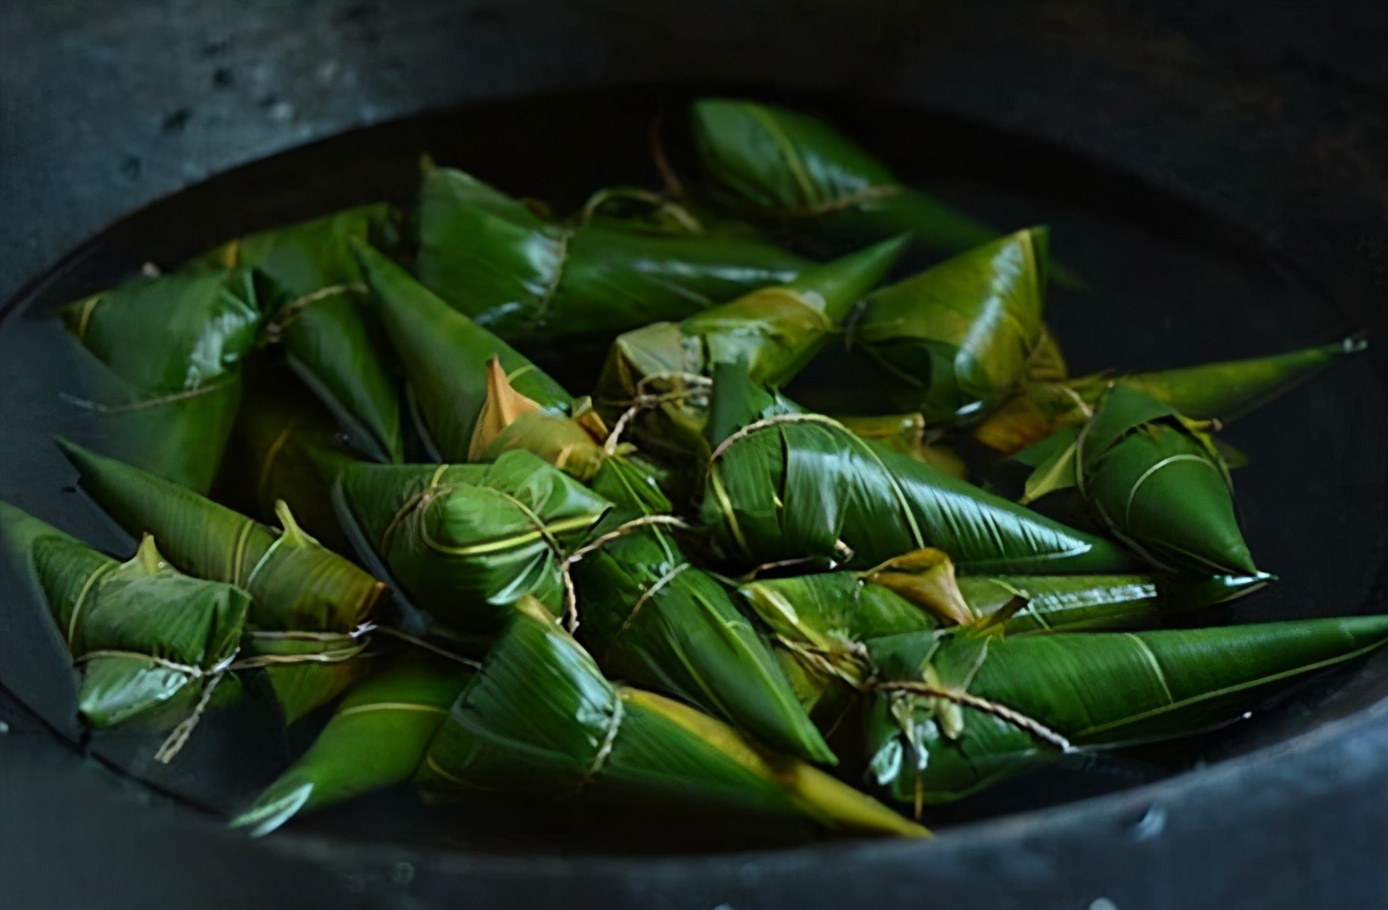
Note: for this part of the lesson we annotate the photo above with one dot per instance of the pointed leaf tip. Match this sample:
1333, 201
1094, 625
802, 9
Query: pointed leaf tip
846, 280
148, 556
84, 460
292, 529
500, 409
926, 578
272, 810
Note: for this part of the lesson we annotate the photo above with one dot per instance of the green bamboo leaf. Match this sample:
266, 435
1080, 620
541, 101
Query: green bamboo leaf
1054, 464
520, 274
776, 163
286, 447
961, 712
1155, 479
466, 541
776, 331
741, 401
169, 351
1032, 415
651, 617
1227, 391
959, 337
173, 436
799, 486
296, 583
1232, 456
579, 444
819, 622
905, 435
830, 614
633, 485
1216, 391
822, 621
1026, 604
539, 719
926, 578
300, 590
826, 698
334, 344
446, 355
618, 475
377, 737
304, 257
568, 434
1047, 361
307, 670
332, 340
147, 638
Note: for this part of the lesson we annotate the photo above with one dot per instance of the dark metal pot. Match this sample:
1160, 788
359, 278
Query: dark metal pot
1264, 121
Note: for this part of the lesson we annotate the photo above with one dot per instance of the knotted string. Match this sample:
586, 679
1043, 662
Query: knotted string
565, 568
1016, 718
644, 400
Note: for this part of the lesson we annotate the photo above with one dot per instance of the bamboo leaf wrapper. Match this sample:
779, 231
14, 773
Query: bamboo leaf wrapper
466, 541
781, 164
539, 719
522, 275
333, 341
792, 486
147, 638
306, 599
958, 713
377, 737
163, 365
959, 337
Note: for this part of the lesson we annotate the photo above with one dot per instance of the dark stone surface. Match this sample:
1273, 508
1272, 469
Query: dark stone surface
1271, 117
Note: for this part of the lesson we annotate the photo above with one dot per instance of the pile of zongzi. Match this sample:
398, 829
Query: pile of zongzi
351, 487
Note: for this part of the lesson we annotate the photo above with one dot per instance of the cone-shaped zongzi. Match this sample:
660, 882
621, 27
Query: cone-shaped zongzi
780, 164
1155, 479
651, 617
957, 338
333, 341
784, 486
377, 737
309, 604
539, 719
824, 619
521, 274
1222, 391
163, 371
446, 357
466, 541
775, 331
955, 713
147, 638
